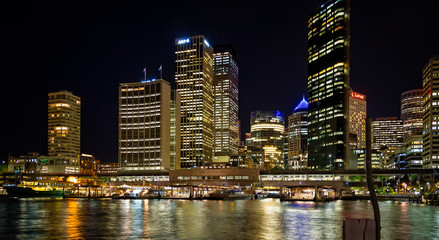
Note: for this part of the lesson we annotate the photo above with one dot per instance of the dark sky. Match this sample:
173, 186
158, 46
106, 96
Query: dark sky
89, 47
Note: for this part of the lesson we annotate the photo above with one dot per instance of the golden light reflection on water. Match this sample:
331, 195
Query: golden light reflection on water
72, 222
270, 219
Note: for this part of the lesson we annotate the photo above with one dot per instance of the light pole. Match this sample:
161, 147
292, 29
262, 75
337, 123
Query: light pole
330, 161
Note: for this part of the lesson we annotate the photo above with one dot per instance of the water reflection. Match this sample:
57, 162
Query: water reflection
184, 219
72, 221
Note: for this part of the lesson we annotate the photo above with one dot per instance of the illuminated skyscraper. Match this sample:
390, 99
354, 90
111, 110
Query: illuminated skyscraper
194, 79
267, 131
225, 104
430, 109
411, 116
387, 132
328, 86
64, 133
298, 137
146, 140
411, 112
357, 119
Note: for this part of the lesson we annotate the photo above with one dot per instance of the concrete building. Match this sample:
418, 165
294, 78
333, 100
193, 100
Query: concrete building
297, 137
64, 132
225, 104
328, 86
89, 164
175, 130
194, 80
145, 125
430, 109
357, 119
24, 164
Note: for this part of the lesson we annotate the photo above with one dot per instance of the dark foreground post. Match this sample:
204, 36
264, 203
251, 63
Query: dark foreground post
368, 168
365, 229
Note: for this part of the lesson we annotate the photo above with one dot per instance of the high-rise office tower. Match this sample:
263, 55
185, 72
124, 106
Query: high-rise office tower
430, 109
225, 103
387, 132
411, 112
64, 132
328, 86
411, 116
357, 119
194, 79
267, 131
145, 125
298, 137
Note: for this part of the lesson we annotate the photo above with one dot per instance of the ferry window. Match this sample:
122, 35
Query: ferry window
245, 177
229, 177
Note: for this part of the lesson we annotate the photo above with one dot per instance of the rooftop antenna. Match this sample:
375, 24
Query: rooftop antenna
144, 72
160, 70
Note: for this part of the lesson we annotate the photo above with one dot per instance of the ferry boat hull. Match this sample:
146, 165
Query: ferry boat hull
24, 192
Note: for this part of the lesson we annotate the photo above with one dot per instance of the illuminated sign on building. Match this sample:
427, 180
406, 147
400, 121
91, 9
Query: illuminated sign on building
183, 41
357, 95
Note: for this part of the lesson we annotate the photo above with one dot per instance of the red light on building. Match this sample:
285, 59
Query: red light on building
357, 95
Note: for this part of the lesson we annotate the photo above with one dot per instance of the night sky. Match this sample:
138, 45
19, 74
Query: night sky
89, 47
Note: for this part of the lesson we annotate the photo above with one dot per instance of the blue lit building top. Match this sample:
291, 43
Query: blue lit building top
302, 106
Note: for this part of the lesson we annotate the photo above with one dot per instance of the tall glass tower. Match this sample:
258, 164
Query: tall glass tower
328, 86
194, 79
225, 90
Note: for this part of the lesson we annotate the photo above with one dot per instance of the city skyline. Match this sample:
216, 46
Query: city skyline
84, 73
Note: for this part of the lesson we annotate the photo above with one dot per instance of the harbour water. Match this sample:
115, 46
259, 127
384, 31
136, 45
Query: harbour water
51, 218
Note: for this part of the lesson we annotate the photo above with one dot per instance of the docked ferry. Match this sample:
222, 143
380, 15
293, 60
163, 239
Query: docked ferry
37, 188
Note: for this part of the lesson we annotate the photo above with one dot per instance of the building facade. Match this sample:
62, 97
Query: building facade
430, 112
145, 125
175, 130
24, 164
194, 80
298, 137
387, 132
109, 168
225, 104
89, 164
361, 156
328, 86
357, 119
267, 131
411, 112
413, 150
64, 132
